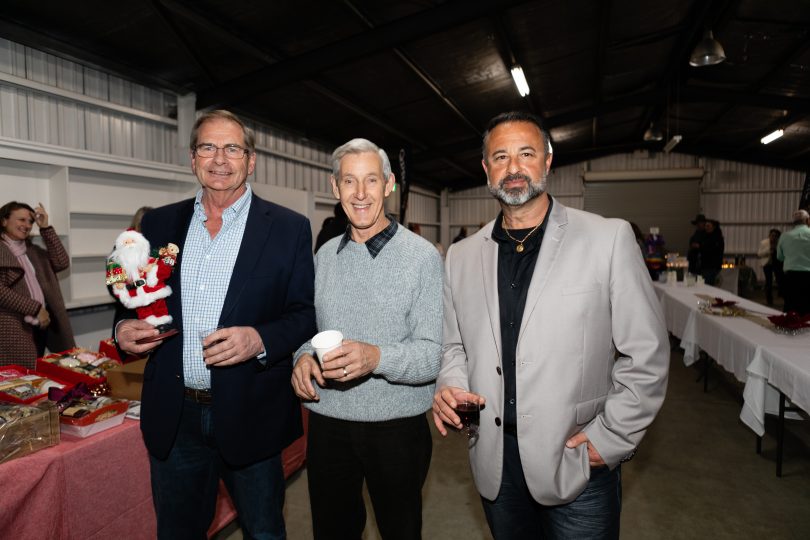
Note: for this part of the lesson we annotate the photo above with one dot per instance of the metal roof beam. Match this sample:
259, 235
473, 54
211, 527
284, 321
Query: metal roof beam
387, 36
181, 40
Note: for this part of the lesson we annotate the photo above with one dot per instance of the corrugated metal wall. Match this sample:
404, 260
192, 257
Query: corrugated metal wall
423, 208
31, 115
747, 200
286, 160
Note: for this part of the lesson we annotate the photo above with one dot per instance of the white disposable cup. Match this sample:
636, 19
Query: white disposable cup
326, 341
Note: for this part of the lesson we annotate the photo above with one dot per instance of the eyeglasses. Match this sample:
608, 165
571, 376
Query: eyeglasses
232, 151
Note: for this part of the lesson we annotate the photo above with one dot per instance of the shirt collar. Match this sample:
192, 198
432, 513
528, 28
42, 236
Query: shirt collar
499, 235
234, 210
376, 243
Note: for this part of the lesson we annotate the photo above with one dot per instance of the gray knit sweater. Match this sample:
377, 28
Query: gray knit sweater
393, 301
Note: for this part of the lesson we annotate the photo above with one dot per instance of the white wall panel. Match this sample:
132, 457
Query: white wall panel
30, 114
642, 160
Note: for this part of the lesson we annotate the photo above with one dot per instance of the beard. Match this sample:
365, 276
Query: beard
133, 257
518, 196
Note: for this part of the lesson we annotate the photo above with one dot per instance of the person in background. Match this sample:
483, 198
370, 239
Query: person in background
332, 227
32, 310
415, 228
137, 217
381, 286
712, 248
216, 399
462, 234
695, 241
551, 321
793, 250
771, 265
640, 240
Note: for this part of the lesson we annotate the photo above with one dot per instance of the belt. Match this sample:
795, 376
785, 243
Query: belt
510, 429
200, 396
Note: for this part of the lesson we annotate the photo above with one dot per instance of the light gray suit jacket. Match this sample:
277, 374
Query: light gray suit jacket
592, 354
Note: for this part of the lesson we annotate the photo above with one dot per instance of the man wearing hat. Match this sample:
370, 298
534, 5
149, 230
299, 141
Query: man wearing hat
693, 255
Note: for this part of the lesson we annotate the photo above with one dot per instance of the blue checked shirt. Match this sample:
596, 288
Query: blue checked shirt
207, 267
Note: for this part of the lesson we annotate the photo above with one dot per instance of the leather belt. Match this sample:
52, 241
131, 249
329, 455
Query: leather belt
199, 396
510, 429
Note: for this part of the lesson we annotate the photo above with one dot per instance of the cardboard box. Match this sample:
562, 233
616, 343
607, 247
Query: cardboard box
126, 381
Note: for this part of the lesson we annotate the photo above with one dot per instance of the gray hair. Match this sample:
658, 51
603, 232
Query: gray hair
800, 216
360, 146
221, 114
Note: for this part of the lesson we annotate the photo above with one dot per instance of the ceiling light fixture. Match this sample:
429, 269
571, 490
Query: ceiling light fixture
653, 134
772, 136
708, 52
520, 81
673, 142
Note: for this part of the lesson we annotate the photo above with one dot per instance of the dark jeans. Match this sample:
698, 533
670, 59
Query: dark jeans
515, 515
797, 292
184, 485
771, 271
392, 456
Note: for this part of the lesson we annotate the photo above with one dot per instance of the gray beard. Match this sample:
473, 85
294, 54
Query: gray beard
517, 197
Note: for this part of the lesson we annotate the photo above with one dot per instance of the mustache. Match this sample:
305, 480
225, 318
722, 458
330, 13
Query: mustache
513, 177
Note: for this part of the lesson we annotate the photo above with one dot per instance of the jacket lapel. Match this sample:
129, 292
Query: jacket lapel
549, 249
257, 230
178, 236
489, 269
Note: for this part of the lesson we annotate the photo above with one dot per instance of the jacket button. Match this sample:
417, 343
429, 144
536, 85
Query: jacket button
498, 369
497, 421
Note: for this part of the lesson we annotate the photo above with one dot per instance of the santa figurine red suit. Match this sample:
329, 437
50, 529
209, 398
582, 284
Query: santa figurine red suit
138, 278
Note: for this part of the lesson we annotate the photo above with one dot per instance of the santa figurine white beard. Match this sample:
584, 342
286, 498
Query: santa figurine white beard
143, 287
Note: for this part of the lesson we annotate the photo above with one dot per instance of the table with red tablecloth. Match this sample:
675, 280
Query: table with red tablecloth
94, 488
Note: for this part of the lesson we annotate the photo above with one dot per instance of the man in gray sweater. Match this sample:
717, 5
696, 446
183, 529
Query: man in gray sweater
381, 286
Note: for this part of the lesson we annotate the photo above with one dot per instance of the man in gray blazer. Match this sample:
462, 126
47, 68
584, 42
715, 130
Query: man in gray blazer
552, 324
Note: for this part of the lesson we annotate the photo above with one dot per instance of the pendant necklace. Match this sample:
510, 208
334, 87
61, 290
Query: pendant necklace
519, 247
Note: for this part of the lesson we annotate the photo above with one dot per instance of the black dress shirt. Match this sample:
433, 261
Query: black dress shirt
515, 271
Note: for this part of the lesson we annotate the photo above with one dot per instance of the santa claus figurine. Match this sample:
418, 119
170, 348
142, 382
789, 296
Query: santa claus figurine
138, 278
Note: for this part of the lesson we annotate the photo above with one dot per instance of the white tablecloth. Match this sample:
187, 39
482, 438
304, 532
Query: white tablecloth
766, 361
785, 366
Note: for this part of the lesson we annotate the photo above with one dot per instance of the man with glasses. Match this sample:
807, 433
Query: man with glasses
221, 406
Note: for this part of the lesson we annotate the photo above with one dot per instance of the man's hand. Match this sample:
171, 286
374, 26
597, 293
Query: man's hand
305, 370
131, 330
445, 401
593, 456
229, 346
352, 360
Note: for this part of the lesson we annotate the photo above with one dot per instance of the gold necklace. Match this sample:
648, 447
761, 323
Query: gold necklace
519, 247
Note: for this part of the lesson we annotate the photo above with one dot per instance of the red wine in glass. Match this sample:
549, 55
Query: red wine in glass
469, 414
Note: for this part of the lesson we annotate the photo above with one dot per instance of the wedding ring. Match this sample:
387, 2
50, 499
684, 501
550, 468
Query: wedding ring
345, 372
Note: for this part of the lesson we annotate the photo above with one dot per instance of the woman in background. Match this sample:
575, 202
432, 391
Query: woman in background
136, 219
32, 311
771, 266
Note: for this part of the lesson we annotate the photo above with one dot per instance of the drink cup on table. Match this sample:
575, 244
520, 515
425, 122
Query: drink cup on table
326, 341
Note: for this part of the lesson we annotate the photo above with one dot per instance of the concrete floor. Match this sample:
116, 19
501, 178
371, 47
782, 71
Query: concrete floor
696, 475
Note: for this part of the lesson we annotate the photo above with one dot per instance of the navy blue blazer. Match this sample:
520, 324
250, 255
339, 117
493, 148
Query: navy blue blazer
255, 411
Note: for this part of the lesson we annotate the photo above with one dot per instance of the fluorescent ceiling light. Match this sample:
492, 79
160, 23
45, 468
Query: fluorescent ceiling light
773, 136
673, 142
520, 81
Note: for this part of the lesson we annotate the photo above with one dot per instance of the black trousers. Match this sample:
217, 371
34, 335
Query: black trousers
392, 457
797, 292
